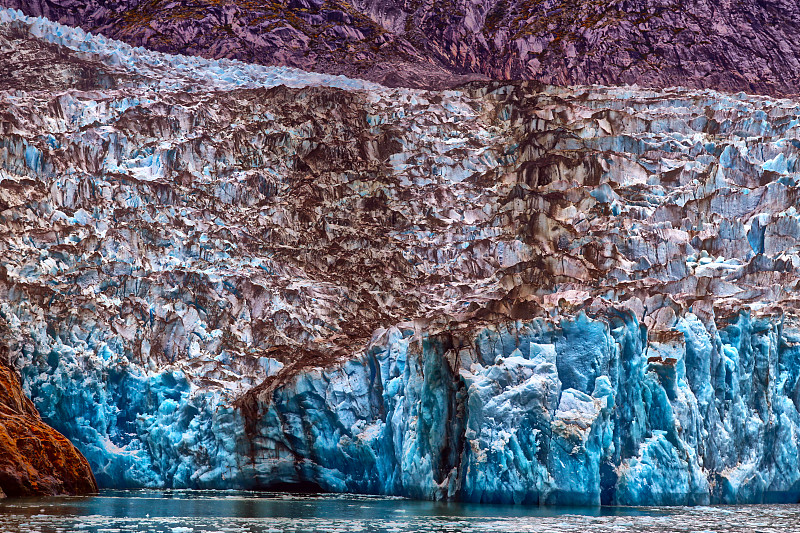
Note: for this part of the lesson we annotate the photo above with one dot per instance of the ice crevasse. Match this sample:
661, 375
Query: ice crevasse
218, 275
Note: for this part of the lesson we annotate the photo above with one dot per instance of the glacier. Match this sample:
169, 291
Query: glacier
218, 275
580, 412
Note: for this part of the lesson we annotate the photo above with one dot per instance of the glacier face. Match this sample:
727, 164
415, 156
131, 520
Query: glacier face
581, 412
506, 293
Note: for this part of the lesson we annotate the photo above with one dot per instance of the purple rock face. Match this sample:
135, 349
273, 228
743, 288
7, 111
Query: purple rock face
745, 45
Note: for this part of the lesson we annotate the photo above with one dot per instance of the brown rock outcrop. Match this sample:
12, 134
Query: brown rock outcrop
35, 459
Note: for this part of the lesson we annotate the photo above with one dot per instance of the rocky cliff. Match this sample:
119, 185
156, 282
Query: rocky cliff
35, 460
220, 274
732, 45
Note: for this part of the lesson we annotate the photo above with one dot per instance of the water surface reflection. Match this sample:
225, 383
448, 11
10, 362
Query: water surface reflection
222, 511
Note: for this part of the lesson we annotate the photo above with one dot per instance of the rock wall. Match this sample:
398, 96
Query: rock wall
726, 45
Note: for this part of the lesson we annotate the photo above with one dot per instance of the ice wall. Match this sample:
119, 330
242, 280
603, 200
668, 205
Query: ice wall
210, 281
579, 412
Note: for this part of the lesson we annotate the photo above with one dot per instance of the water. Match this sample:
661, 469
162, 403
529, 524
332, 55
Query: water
215, 511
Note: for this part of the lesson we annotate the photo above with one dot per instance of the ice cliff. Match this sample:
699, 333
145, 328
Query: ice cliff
214, 274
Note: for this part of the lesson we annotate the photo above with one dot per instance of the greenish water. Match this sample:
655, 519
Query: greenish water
221, 511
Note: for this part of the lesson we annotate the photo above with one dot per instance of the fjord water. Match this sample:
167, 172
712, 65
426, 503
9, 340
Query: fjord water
235, 511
